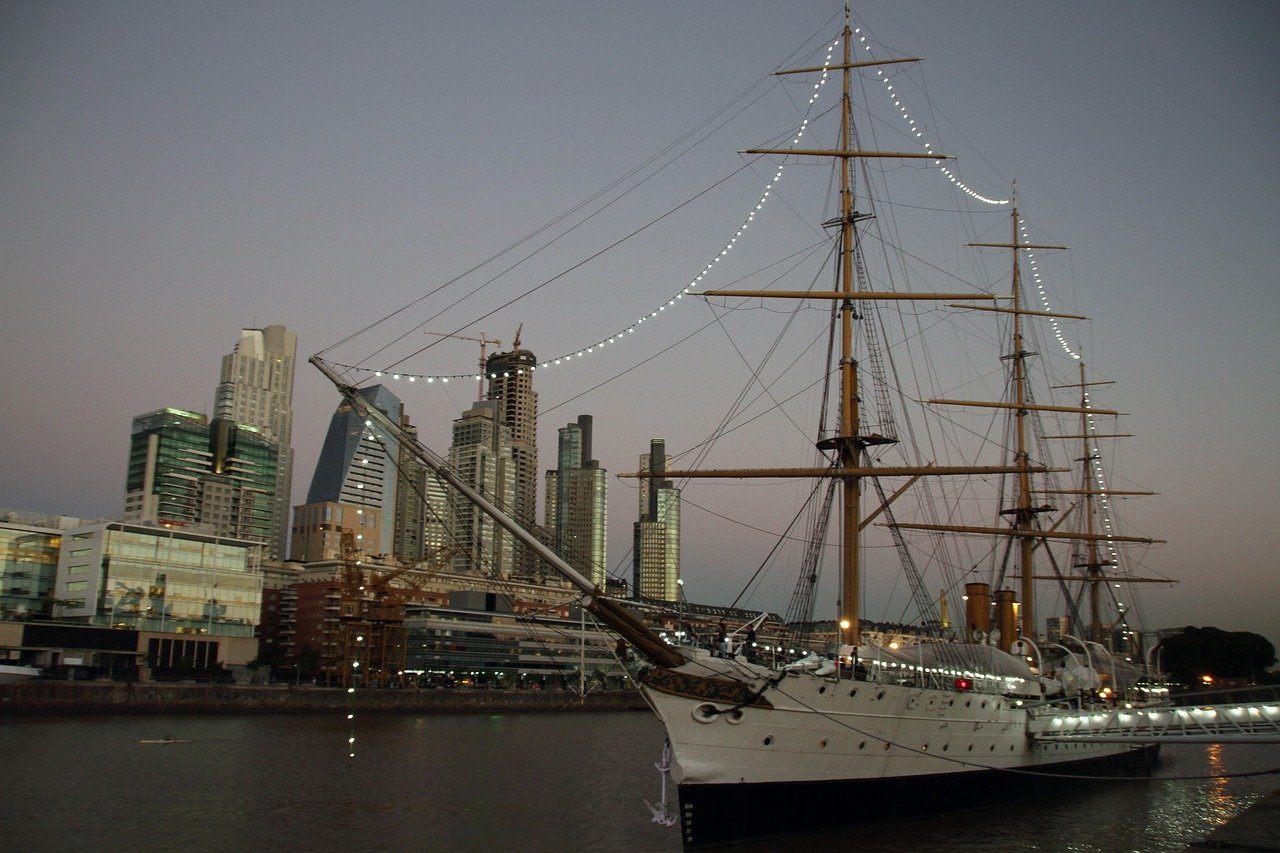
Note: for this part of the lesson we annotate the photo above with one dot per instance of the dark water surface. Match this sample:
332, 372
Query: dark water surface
512, 782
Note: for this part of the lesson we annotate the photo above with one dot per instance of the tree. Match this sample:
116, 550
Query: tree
1195, 652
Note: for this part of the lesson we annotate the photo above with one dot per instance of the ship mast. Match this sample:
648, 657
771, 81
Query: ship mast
1093, 566
849, 443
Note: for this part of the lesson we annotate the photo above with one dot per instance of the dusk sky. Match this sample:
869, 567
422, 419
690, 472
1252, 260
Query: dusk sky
171, 172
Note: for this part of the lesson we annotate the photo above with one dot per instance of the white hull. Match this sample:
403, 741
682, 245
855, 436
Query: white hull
821, 729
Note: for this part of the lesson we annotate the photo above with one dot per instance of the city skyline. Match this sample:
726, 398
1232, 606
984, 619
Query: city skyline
177, 179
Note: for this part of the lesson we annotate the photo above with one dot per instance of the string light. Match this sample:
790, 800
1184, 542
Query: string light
1044, 297
918, 136
689, 288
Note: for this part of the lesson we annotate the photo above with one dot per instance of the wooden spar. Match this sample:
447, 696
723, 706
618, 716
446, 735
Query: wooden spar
875, 295
1025, 516
813, 68
1095, 435
858, 471
1015, 244
609, 612
1117, 579
871, 516
1083, 384
1023, 311
849, 153
1030, 534
1091, 492
1031, 407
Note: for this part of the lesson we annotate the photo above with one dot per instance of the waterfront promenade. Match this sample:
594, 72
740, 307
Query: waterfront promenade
69, 697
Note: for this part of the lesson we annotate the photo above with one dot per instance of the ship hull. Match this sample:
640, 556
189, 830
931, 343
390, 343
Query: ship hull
758, 754
713, 815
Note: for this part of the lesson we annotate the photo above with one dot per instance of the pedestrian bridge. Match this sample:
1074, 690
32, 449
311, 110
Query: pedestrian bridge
1183, 722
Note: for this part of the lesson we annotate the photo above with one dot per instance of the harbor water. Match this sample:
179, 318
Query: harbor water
566, 781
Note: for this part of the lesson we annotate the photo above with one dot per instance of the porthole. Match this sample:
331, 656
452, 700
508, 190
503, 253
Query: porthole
879, 695
950, 702
886, 746
968, 703
991, 748
705, 713
971, 747
946, 747
984, 704
822, 689
862, 745
1011, 747
768, 740
735, 716
925, 748
853, 692
822, 744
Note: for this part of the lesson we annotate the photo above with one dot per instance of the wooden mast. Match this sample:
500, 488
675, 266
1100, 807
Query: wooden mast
1092, 566
1023, 512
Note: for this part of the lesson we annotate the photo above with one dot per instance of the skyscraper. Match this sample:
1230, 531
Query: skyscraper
511, 386
256, 388
580, 502
411, 492
357, 466
482, 455
218, 477
656, 552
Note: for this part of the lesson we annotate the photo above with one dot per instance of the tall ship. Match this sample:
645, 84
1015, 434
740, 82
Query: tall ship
825, 731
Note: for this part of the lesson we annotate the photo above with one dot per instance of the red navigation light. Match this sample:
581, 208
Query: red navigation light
963, 684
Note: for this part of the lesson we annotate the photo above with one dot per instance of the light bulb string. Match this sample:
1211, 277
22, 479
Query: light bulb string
654, 313
916, 133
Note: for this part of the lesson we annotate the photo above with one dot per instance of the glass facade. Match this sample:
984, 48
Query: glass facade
218, 476
28, 567
164, 581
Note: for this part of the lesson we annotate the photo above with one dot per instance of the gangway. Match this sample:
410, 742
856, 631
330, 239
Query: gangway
1228, 722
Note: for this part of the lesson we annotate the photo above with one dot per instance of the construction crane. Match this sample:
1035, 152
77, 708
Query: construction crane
372, 633
484, 342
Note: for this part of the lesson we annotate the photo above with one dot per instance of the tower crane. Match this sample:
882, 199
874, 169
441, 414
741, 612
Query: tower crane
483, 341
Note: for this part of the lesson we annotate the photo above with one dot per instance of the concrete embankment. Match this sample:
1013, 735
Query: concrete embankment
60, 697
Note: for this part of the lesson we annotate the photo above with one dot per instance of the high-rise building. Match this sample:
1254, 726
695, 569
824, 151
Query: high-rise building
256, 388
411, 505
511, 386
656, 545
318, 529
217, 477
481, 454
435, 524
580, 502
358, 465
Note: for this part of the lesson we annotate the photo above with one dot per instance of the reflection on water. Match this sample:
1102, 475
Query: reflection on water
1222, 803
523, 782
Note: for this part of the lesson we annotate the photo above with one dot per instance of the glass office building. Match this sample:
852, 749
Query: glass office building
133, 576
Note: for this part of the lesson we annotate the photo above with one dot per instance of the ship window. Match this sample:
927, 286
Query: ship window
925, 748
879, 695
768, 740
991, 748
886, 746
971, 747
946, 746
822, 689
862, 745
822, 744
853, 692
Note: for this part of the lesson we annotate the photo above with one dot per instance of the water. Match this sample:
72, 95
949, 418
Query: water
514, 782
